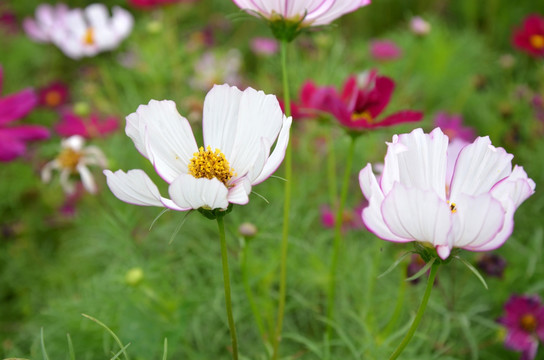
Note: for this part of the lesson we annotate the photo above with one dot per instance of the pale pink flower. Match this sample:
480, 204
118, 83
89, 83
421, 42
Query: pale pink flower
239, 129
309, 12
264, 46
80, 32
419, 26
384, 50
415, 201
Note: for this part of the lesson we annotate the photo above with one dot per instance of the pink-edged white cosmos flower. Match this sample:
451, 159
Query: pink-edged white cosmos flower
80, 32
73, 159
310, 12
239, 129
416, 201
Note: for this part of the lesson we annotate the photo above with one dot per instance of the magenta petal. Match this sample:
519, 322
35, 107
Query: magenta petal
400, 117
26, 132
17, 105
71, 124
10, 148
380, 96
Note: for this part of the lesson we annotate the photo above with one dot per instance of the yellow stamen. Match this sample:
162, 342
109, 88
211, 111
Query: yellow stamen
365, 115
537, 41
453, 207
210, 164
528, 322
69, 159
88, 38
53, 98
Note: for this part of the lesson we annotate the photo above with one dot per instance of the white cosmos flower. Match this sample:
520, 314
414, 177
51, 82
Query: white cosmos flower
80, 32
416, 201
75, 158
314, 12
239, 129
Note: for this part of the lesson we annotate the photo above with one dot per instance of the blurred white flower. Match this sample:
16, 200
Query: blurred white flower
214, 69
419, 26
75, 158
80, 32
471, 205
239, 129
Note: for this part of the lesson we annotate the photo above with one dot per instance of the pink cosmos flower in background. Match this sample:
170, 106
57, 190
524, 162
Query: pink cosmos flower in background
361, 102
54, 95
213, 68
538, 107
530, 37
87, 127
524, 322
419, 26
452, 125
8, 20
309, 12
414, 201
14, 107
75, 158
264, 46
492, 265
384, 50
80, 32
239, 129
351, 218
149, 4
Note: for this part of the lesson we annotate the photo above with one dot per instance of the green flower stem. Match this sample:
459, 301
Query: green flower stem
286, 208
226, 281
419, 315
338, 235
331, 169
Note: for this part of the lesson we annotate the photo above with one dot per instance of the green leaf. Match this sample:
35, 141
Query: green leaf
422, 271
395, 264
473, 269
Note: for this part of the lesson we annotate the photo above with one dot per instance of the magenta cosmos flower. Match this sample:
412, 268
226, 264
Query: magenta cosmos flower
415, 201
384, 50
80, 32
524, 322
54, 95
361, 102
530, 37
87, 127
13, 138
149, 4
239, 129
452, 125
298, 14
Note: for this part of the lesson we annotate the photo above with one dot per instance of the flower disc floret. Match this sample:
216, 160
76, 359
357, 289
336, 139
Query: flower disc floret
210, 164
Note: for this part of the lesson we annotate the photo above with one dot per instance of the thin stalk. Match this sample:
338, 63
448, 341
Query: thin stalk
286, 208
331, 169
226, 281
419, 314
338, 236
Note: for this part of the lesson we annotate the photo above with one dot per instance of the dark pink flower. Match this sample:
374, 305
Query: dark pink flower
530, 37
148, 4
88, 127
492, 264
53, 95
351, 218
524, 322
384, 50
538, 106
13, 138
361, 102
8, 20
312, 101
452, 125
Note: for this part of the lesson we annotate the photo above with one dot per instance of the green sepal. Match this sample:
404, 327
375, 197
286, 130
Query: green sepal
429, 253
284, 29
215, 213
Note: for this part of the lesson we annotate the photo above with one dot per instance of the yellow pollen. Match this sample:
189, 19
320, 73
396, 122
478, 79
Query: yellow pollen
53, 98
528, 322
210, 164
88, 38
537, 41
365, 115
453, 207
69, 159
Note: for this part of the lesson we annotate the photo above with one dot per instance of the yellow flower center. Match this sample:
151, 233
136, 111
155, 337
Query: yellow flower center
537, 41
453, 207
365, 115
69, 159
88, 38
528, 322
210, 164
53, 98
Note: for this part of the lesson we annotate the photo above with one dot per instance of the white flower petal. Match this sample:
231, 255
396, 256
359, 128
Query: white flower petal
134, 187
189, 192
169, 140
238, 194
517, 187
372, 215
87, 178
502, 235
417, 214
476, 221
479, 166
277, 156
122, 22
